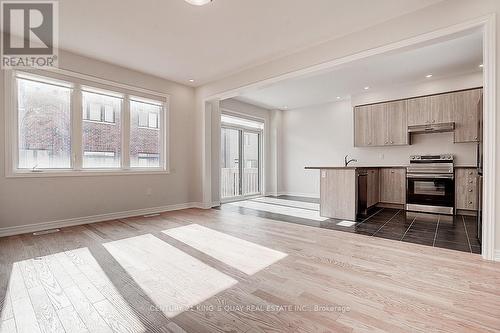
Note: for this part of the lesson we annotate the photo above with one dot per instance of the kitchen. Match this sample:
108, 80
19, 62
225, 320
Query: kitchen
408, 123
429, 183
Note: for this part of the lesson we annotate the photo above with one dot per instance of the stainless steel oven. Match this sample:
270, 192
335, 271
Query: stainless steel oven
430, 184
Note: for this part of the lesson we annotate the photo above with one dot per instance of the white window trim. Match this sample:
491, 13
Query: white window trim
81, 81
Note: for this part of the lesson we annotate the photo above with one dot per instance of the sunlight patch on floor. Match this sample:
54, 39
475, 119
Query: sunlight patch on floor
277, 209
346, 223
62, 292
173, 280
290, 203
243, 255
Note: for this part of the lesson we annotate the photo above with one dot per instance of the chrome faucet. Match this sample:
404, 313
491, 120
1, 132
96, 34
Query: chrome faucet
346, 162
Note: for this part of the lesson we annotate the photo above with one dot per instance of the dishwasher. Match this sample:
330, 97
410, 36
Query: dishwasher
362, 193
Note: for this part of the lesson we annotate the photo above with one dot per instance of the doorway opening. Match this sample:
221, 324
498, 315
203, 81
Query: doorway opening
241, 158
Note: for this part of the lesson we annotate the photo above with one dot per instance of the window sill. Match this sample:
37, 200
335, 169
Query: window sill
85, 173
149, 128
99, 122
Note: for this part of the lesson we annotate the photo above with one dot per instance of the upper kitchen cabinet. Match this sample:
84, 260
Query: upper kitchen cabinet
382, 124
430, 110
386, 124
461, 107
419, 111
363, 132
378, 124
467, 107
396, 124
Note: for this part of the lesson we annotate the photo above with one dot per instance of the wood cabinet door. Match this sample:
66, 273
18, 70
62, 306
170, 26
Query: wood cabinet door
396, 123
466, 189
373, 191
338, 193
419, 111
442, 108
362, 126
467, 109
378, 124
393, 185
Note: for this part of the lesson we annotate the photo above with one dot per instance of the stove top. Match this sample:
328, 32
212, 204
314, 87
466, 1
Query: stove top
431, 164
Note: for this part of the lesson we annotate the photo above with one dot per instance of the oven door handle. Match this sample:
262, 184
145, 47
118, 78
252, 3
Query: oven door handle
429, 175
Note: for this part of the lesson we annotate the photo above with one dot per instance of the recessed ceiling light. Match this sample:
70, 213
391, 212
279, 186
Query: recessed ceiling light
285, 107
481, 65
366, 88
428, 75
198, 2
191, 80
338, 97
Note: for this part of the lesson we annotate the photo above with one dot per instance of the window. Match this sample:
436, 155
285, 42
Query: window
147, 119
99, 112
145, 143
44, 125
146, 160
99, 159
47, 119
103, 136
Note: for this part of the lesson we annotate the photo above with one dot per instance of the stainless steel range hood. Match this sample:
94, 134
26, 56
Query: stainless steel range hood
432, 128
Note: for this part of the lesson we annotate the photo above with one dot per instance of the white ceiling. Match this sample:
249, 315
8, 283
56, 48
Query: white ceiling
448, 58
178, 41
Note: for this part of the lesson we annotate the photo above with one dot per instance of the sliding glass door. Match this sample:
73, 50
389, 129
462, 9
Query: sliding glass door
251, 163
230, 163
240, 161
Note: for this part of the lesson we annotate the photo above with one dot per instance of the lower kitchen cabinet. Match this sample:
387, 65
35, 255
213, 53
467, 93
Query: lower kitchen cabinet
338, 193
393, 185
466, 189
373, 186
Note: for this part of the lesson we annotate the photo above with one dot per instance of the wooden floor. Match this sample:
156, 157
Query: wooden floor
220, 271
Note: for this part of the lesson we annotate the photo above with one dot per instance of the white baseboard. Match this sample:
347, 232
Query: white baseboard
296, 194
497, 255
29, 228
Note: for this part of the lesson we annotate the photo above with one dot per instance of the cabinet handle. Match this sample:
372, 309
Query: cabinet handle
470, 172
475, 138
386, 142
391, 142
470, 202
433, 121
470, 190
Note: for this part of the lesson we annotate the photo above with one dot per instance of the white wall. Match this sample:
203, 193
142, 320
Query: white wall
25, 201
322, 135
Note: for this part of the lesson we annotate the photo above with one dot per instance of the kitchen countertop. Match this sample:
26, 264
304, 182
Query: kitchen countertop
354, 167
374, 166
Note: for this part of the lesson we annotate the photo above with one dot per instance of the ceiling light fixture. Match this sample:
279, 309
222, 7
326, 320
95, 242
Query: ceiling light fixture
481, 66
338, 97
428, 75
191, 80
366, 88
198, 2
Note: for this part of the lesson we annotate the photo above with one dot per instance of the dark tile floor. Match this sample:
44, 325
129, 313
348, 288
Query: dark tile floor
451, 232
